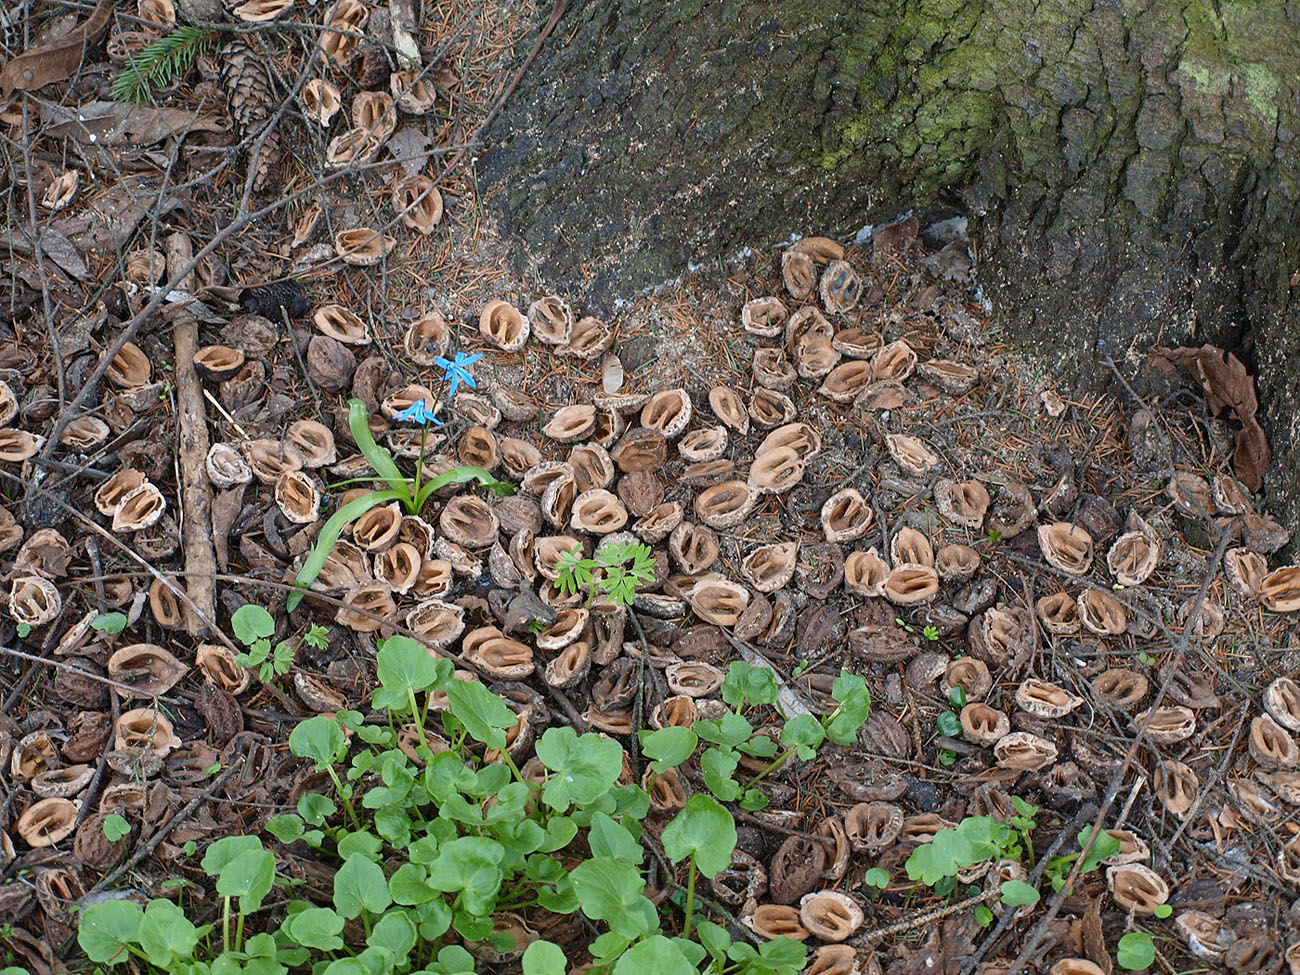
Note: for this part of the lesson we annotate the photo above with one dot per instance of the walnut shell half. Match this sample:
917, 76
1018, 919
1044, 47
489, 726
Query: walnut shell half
830, 915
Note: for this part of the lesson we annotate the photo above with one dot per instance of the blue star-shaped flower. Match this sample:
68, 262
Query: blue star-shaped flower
418, 412
456, 371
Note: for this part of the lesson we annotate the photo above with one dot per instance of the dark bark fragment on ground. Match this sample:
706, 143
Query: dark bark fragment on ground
1129, 168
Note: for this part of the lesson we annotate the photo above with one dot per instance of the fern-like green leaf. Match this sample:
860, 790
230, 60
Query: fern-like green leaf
161, 63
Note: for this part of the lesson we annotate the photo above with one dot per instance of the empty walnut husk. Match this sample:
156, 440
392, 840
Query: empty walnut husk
830, 915
341, 325
34, 601
148, 669
1136, 887
1066, 546
320, 101
504, 325
362, 246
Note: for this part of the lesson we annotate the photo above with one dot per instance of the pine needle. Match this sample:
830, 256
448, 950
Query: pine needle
161, 63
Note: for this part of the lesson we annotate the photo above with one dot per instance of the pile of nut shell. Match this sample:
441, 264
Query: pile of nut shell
686, 471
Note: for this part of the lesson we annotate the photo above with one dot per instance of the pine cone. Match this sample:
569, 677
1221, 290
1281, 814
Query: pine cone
252, 103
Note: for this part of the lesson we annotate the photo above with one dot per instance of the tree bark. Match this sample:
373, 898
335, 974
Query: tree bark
1130, 167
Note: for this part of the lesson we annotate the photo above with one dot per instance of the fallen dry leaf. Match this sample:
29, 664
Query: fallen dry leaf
1228, 386
57, 60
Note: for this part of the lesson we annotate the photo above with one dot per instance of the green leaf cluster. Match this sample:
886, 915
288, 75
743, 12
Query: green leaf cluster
618, 570
433, 831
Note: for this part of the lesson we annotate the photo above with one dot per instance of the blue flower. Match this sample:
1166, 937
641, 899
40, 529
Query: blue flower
418, 412
456, 371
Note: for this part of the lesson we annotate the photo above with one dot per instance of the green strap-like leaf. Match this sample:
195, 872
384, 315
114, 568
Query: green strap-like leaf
380, 459
459, 475
329, 534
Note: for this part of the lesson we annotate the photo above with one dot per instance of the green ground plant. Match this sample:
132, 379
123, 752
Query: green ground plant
618, 570
435, 834
980, 839
411, 492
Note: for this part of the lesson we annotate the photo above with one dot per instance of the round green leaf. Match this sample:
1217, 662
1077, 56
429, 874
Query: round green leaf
320, 739
359, 886
655, 954
403, 664
107, 928
252, 623
1136, 951
316, 927
705, 830
116, 828
585, 767
1017, 893
544, 958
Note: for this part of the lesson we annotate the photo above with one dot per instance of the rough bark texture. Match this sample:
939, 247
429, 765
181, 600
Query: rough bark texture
1130, 166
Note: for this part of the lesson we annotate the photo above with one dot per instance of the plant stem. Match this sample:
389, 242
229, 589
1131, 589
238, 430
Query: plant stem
239, 931
775, 764
225, 924
419, 724
419, 471
347, 802
690, 898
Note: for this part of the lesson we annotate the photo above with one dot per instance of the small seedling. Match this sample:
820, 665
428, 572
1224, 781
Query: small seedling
904, 625
253, 627
1136, 952
624, 567
931, 633
110, 623
116, 828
